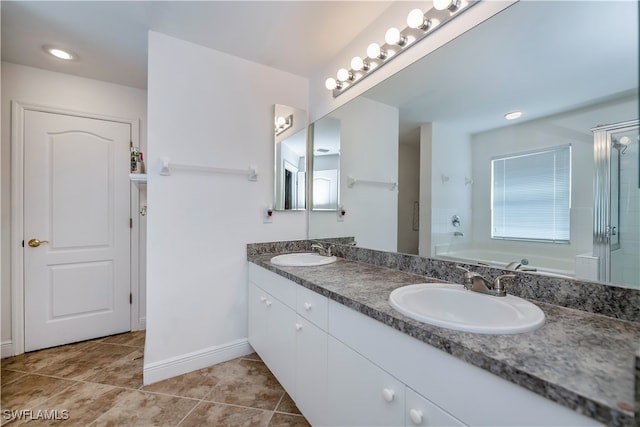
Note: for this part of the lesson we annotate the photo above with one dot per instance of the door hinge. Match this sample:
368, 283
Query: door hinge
23, 243
130, 222
130, 298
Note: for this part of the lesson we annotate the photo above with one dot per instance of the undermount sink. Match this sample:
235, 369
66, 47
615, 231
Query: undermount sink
452, 306
302, 259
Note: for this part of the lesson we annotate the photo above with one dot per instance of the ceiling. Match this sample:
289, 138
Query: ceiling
536, 56
110, 37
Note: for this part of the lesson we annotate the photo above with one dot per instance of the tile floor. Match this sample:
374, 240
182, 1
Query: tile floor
99, 383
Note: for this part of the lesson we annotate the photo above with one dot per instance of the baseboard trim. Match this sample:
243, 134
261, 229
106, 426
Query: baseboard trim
6, 349
178, 365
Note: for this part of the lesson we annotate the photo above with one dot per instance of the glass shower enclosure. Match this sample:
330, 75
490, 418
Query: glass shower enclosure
616, 237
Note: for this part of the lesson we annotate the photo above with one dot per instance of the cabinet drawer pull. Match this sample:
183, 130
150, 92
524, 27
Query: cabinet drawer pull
307, 306
416, 416
388, 394
298, 326
268, 303
263, 299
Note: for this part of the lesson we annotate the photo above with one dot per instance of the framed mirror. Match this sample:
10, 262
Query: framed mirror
448, 110
290, 138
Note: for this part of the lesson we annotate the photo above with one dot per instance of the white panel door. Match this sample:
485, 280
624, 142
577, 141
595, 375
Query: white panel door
76, 202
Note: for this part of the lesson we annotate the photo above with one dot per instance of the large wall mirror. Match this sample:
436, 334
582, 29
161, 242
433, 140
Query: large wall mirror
290, 137
444, 132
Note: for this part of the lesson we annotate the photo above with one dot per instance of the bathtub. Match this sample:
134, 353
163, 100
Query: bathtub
546, 265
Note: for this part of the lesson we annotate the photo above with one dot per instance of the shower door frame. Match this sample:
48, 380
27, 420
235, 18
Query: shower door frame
602, 230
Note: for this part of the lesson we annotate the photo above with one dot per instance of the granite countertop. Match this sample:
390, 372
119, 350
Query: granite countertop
581, 360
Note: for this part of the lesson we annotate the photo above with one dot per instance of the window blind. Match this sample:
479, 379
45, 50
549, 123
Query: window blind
531, 195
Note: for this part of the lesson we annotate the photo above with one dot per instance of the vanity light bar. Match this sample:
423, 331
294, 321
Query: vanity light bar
419, 26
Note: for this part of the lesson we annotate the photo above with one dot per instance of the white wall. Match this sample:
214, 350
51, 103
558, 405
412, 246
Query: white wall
368, 151
444, 191
208, 108
36, 86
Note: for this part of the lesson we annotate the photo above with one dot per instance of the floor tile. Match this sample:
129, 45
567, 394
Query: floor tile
82, 402
197, 385
288, 420
36, 360
124, 372
99, 382
252, 356
7, 376
288, 405
245, 383
91, 359
215, 414
136, 408
133, 339
31, 390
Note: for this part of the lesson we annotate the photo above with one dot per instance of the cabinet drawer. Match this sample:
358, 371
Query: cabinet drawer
276, 285
313, 307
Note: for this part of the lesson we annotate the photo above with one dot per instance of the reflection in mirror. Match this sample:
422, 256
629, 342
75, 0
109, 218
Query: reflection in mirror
368, 166
326, 164
566, 76
290, 135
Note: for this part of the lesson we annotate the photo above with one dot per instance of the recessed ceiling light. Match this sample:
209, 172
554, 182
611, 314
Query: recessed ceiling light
60, 53
513, 115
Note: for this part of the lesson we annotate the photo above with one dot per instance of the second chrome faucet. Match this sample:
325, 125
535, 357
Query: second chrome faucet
477, 283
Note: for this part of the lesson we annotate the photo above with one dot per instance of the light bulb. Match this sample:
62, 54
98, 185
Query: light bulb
625, 140
331, 83
59, 53
281, 121
344, 75
452, 5
374, 51
513, 115
358, 64
416, 19
394, 36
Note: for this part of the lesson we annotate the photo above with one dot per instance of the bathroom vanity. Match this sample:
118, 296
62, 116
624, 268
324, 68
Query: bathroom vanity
347, 357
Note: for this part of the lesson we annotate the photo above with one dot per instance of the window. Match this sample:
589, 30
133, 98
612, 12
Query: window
531, 195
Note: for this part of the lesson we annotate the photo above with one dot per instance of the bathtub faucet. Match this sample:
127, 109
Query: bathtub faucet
515, 265
476, 283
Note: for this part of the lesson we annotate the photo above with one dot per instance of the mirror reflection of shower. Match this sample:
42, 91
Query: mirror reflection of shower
621, 144
617, 203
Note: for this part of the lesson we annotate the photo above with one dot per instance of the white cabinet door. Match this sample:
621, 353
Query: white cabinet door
311, 372
281, 353
272, 334
257, 319
420, 412
360, 393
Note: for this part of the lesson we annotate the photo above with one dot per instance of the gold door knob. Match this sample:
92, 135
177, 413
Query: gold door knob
34, 243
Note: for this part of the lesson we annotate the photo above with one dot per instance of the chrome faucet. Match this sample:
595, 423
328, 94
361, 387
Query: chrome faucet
325, 251
515, 265
476, 283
